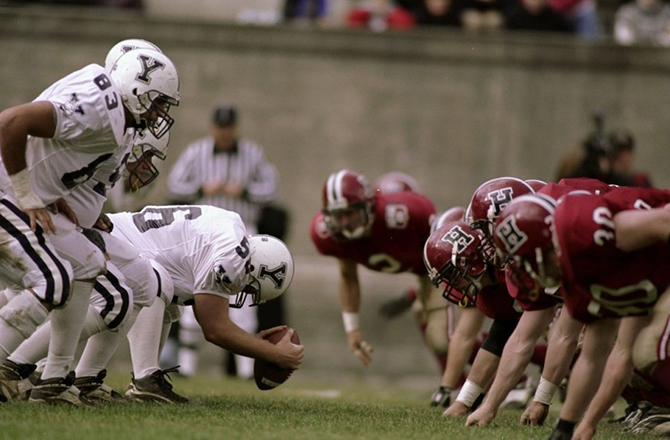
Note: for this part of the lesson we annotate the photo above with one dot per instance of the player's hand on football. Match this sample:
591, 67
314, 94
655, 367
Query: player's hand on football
263, 334
535, 414
60, 206
457, 409
291, 354
359, 347
481, 417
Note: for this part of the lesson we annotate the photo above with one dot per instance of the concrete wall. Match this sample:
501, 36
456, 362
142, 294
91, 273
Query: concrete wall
451, 109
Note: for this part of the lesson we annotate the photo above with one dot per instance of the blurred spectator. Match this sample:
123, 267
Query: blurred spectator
622, 157
643, 22
536, 15
484, 15
305, 11
590, 159
379, 15
582, 14
437, 13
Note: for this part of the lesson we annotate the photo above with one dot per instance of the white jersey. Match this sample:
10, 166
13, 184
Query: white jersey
88, 199
90, 127
203, 248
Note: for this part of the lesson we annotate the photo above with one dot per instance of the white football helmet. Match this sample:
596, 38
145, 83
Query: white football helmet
140, 167
149, 84
270, 269
126, 46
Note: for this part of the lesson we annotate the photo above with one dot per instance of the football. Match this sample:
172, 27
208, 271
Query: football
268, 375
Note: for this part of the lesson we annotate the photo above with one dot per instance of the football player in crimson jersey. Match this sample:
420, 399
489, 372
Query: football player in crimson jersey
454, 257
385, 233
73, 127
540, 308
606, 254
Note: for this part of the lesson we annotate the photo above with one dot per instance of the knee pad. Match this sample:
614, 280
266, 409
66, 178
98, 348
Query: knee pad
24, 313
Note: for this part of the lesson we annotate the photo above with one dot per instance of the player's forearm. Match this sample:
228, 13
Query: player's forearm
232, 338
636, 229
460, 348
561, 350
513, 362
618, 371
587, 373
484, 369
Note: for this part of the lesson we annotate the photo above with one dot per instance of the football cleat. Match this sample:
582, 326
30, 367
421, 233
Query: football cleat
58, 390
155, 388
397, 306
441, 398
654, 420
14, 381
93, 388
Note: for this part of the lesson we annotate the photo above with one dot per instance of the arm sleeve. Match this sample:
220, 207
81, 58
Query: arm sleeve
183, 182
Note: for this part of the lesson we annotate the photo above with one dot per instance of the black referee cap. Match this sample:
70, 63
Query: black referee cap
224, 115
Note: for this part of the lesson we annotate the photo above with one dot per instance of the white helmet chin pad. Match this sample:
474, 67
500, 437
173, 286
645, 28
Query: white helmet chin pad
270, 270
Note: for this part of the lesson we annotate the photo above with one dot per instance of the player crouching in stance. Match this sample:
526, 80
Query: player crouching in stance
201, 257
384, 232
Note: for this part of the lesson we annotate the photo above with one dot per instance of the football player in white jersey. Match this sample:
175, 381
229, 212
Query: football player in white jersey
209, 259
70, 130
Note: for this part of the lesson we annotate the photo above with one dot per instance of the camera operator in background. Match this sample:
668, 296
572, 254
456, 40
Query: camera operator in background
608, 158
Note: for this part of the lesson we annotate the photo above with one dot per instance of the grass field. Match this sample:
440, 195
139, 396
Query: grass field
231, 409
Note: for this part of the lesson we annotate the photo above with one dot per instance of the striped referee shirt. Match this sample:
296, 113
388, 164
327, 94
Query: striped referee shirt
245, 165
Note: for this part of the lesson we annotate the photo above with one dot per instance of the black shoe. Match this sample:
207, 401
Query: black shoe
560, 435
397, 306
14, 382
441, 398
58, 390
155, 388
93, 388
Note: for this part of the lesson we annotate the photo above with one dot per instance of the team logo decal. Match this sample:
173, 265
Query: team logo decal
397, 216
276, 275
149, 64
510, 234
220, 275
499, 199
458, 238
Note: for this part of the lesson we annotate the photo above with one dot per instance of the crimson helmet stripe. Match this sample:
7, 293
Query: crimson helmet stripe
539, 199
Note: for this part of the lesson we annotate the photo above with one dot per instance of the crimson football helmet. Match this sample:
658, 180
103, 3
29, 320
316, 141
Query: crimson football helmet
395, 182
453, 257
523, 233
536, 184
450, 215
487, 203
348, 204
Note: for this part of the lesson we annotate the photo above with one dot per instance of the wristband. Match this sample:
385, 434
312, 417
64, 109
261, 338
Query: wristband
24, 192
545, 391
469, 393
350, 321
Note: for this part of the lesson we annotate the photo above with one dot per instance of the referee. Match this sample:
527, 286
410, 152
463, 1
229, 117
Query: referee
232, 173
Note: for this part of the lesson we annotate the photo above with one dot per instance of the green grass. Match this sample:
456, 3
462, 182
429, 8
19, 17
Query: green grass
230, 409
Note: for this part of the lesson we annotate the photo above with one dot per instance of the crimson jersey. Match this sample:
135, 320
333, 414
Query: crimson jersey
496, 303
399, 230
600, 280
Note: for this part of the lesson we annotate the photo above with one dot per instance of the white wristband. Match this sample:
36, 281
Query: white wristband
350, 321
469, 393
23, 191
545, 391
